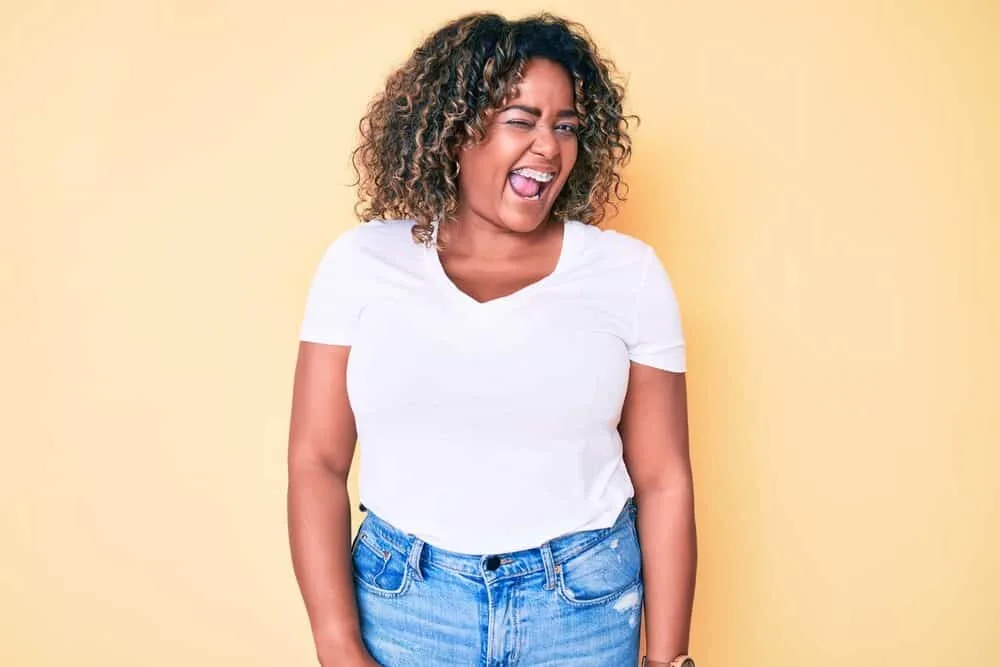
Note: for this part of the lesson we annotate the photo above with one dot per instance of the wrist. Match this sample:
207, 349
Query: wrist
679, 661
334, 650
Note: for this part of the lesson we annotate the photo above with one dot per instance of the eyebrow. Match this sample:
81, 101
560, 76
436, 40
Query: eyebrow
535, 111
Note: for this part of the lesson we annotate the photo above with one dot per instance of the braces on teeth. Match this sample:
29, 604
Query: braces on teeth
539, 176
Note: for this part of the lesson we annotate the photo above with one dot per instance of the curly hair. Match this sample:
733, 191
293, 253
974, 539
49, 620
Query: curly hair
444, 95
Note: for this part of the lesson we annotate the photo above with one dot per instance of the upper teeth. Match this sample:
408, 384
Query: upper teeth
540, 176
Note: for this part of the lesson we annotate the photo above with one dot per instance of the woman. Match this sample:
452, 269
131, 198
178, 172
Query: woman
514, 375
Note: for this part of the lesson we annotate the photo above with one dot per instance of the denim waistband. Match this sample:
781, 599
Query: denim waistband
545, 557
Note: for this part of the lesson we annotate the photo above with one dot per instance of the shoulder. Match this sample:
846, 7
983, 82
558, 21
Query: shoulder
368, 254
379, 236
374, 243
385, 231
608, 250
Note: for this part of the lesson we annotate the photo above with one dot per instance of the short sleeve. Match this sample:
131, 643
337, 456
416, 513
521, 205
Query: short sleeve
334, 301
658, 338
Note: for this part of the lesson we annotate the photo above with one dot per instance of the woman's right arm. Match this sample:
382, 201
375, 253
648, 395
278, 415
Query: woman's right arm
321, 442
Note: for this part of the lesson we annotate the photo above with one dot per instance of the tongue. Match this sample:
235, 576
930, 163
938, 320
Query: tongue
524, 187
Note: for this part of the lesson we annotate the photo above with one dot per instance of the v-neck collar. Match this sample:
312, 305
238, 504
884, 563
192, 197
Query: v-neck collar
448, 285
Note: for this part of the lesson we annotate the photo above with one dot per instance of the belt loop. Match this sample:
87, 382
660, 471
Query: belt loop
414, 559
550, 567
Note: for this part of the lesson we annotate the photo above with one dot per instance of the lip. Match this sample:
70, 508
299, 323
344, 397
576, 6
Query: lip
544, 168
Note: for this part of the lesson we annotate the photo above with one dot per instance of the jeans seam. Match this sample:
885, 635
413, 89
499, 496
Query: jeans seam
364, 539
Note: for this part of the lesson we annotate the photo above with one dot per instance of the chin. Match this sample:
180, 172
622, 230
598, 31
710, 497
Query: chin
524, 222
524, 216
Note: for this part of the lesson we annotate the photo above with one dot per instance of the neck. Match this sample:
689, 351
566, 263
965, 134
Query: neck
474, 236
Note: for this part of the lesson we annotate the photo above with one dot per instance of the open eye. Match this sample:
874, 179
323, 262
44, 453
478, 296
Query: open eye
568, 128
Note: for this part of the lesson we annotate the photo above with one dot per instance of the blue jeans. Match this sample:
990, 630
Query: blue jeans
573, 602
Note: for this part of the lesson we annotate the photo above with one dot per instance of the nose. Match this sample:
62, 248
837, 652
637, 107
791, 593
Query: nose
545, 143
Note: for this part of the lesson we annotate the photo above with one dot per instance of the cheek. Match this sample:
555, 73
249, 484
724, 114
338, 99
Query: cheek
503, 149
569, 155
486, 163
472, 164
570, 152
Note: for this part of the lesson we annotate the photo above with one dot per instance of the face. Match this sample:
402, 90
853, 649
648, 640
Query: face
511, 179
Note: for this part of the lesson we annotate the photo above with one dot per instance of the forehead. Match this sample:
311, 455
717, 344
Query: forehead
544, 80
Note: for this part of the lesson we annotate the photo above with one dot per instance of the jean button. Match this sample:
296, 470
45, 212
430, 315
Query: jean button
492, 563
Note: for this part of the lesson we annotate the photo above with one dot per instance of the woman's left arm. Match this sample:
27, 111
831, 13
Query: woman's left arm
654, 429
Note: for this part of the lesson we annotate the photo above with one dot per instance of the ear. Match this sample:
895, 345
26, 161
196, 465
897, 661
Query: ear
466, 144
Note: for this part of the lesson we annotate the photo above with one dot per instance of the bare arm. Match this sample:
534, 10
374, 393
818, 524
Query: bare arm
321, 444
654, 430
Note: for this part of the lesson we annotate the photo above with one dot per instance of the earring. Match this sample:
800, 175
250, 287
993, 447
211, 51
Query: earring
458, 169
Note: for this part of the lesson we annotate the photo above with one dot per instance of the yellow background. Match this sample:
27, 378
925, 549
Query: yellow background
820, 178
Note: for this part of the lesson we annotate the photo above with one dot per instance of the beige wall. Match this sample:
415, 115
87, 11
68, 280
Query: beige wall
820, 178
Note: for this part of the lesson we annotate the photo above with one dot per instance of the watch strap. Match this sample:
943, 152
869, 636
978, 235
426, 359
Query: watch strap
679, 661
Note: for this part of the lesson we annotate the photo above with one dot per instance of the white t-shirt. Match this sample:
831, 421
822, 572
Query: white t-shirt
492, 427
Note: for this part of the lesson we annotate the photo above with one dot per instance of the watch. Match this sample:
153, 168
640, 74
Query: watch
679, 661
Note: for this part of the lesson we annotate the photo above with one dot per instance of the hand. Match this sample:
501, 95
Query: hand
346, 655
361, 661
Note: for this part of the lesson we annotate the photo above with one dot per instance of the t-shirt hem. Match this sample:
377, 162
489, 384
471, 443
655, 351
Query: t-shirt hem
325, 339
459, 541
671, 362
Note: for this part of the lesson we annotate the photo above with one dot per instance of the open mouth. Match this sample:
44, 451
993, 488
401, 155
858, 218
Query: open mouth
529, 183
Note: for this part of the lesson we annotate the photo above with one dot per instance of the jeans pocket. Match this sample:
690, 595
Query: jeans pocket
603, 571
377, 567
